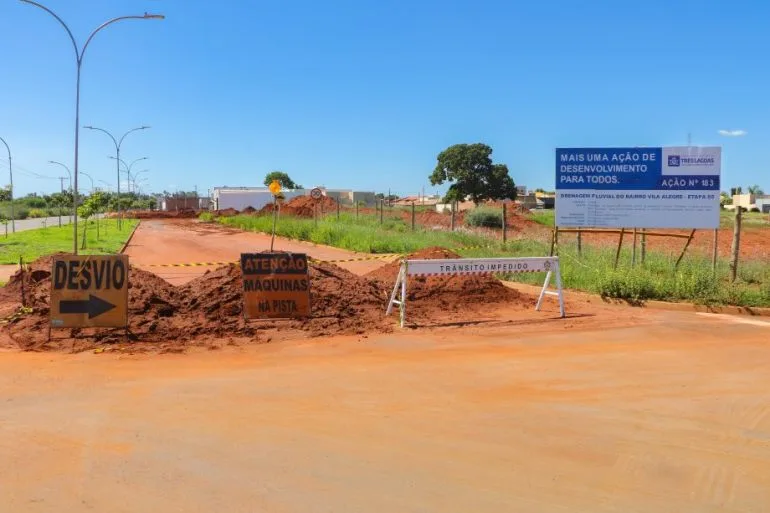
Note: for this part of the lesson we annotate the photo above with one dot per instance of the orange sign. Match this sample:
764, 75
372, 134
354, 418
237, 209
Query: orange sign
275, 285
89, 291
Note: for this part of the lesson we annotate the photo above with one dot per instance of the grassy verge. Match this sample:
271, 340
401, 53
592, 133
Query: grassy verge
592, 271
366, 235
32, 244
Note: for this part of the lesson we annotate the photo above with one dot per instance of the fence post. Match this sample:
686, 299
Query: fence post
356, 211
382, 210
21, 268
620, 245
633, 251
505, 225
413, 216
453, 207
715, 251
644, 245
736, 244
580, 242
338, 209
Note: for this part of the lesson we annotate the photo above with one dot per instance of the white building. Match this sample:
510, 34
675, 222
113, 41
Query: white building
240, 198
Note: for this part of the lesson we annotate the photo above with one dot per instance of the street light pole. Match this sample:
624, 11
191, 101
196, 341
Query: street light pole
128, 170
74, 207
79, 54
118, 144
10, 171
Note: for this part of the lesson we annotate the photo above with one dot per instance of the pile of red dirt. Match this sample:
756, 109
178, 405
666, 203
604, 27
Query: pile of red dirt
304, 206
228, 212
152, 312
164, 317
341, 303
249, 210
467, 297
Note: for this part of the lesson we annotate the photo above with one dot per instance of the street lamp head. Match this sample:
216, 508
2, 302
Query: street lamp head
154, 16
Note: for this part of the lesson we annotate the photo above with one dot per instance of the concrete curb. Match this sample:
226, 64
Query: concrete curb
130, 236
652, 305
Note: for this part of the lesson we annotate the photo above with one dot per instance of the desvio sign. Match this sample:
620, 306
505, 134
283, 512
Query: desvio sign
670, 187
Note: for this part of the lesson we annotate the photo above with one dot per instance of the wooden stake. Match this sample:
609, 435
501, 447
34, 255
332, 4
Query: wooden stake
633, 251
580, 243
620, 245
338, 209
644, 245
736, 244
382, 209
715, 251
413, 216
21, 269
453, 207
684, 249
505, 225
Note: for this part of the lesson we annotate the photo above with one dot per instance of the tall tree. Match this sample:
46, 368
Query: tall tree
283, 179
469, 169
756, 190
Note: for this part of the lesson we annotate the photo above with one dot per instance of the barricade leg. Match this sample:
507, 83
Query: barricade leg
543, 291
393, 299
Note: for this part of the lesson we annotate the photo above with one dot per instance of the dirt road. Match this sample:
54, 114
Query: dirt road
663, 416
190, 241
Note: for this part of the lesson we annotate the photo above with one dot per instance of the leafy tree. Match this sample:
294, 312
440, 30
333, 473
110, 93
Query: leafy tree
283, 179
5, 193
90, 207
725, 199
756, 190
470, 169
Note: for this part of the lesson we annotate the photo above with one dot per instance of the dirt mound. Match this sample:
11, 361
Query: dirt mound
228, 212
466, 296
152, 309
249, 210
304, 206
342, 303
164, 317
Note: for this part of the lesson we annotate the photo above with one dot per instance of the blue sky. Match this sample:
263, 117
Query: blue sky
364, 94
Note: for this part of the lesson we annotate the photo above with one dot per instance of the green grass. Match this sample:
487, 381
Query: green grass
32, 244
544, 217
366, 235
592, 271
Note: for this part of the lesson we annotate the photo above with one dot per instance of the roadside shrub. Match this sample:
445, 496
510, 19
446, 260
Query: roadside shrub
21, 213
484, 216
206, 217
755, 209
37, 212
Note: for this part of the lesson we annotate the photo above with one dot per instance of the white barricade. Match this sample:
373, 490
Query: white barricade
449, 267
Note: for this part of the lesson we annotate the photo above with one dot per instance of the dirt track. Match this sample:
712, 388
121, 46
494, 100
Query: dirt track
189, 241
662, 416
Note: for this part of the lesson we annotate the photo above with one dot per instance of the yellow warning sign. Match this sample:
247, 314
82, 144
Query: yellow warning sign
275, 187
275, 285
89, 291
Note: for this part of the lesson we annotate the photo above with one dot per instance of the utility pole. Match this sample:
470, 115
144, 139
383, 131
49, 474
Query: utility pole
61, 179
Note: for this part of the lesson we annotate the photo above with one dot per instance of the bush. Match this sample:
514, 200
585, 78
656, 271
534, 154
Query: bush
37, 212
484, 216
755, 209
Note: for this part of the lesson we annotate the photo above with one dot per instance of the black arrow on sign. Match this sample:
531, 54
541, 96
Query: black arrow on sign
93, 306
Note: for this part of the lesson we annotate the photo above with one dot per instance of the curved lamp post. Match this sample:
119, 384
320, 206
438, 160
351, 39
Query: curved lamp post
79, 54
10, 171
74, 208
128, 169
118, 144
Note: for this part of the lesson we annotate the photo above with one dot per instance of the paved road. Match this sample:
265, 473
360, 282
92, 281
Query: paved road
33, 224
664, 415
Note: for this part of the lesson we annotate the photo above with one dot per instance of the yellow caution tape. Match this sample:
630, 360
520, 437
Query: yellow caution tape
315, 260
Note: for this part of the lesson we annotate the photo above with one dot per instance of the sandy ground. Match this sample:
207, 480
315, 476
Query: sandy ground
662, 416
190, 241
615, 409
